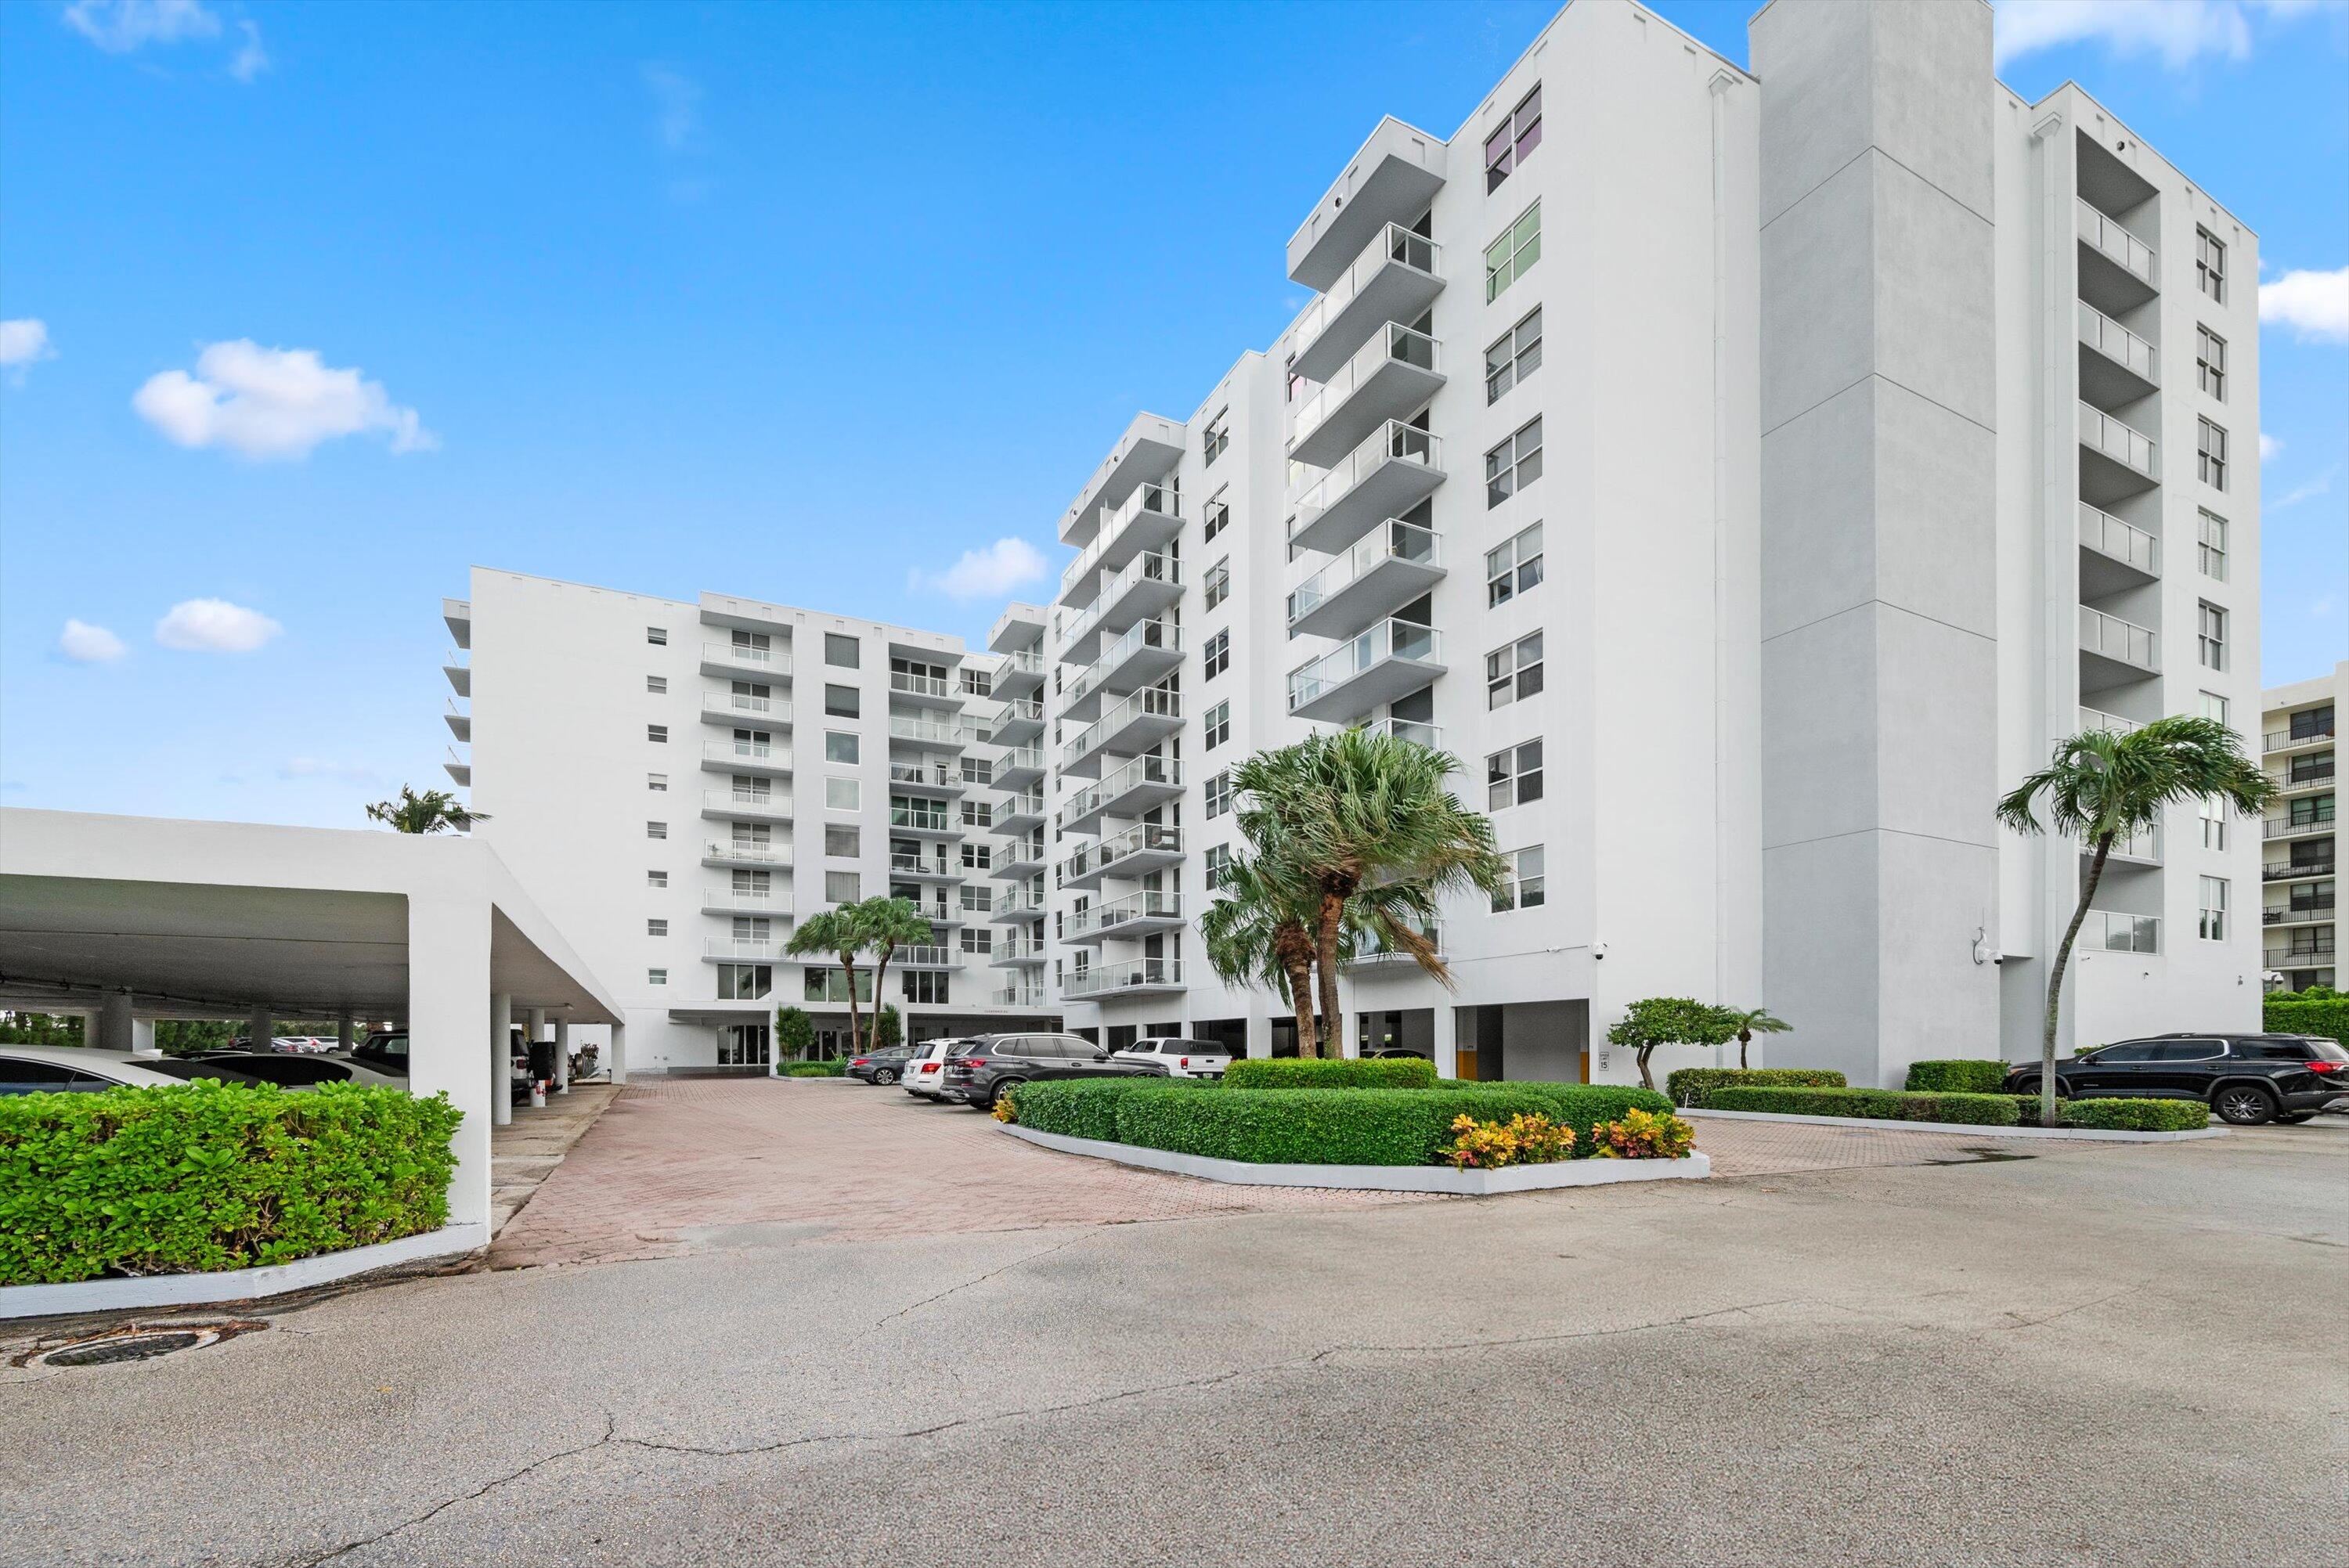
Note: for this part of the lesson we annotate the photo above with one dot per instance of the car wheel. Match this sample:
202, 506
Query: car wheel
2243, 1106
884, 1077
1000, 1089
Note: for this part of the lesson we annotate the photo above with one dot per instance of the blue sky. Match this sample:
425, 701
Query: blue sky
778, 300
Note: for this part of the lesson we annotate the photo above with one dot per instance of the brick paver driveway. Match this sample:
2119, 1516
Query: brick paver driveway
671, 1166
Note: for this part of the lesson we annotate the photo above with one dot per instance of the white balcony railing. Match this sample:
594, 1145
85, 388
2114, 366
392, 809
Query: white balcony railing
1142, 772
746, 852
1151, 702
1148, 567
1392, 344
1158, 501
925, 775
748, 901
2106, 235
1393, 244
1397, 540
744, 949
1142, 838
2106, 534
2117, 639
1162, 634
752, 752
2110, 722
762, 802
2118, 343
1394, 441
2109, 931
774, 660
1152, 973
928, 955
936, 731
1389, 640
1428, 735
920, 685
742, 706
2102, 433
1151, 904
1018, 996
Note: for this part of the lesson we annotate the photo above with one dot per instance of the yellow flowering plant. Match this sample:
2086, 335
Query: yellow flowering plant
1521, 1140
1643, 1135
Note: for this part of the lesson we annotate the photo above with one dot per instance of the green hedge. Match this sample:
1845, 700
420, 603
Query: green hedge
212, 1176
1957, 1076
1334, 1072
1871, 1104
2138, 1115
812, 1069
1086, 1108
2325, 1016
1689, 1085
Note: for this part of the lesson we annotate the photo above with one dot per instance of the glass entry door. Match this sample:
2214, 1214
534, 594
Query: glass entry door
743, 1045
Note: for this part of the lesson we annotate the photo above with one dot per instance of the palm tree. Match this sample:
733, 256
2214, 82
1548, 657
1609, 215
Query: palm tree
1750, 1022
2102, 788
435, 810
1259, 932
835, 932
1357, 812
884, 925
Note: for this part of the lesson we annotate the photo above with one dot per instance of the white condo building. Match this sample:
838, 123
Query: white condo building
1746, 475
2297, 917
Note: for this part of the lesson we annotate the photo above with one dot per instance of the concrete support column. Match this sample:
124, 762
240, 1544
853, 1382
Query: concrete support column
1447, 1040
619, 1053
501, 1050
108, 1029
447, 1017
562, 1057
1259, 1035
259, 1026
142, 1039
345, 1030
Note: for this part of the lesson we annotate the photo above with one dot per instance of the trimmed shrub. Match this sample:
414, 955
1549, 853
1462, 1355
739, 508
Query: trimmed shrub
1643, 1135
1871, 1104
1329, 1072
1355, 1126
2138, 1115
2324, 1015
1957, 1076
208, 1176
812, 1069
2026, 1108
1689, 1085
1085, 1108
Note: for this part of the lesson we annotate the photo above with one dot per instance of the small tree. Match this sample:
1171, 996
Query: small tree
884, 925
1260, 933
887, 1030
835, 932
1670, 1021
1753, 1021
434, 811
794, 1033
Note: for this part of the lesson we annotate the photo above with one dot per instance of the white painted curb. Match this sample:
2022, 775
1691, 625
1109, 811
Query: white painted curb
236, 1284
2098, 1134
1378, 1177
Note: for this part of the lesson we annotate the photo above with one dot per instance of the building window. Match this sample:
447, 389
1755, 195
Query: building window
1508, 258
843, 887
1524, 889
2213, 546
842, 795
977, 815
924, 984
1219, 794
656, 830
977, 939
1217, 517
656, 977
842, 702
1514, 137
1217, 656
2210, 264
1219, 726
2210, 452
843, 653
656, 879
2214, 909
2210, 635
1217, 436
2215, 706
1513, 356
843, 746
977, 770
2214, 823
1513, 673
745, 981
2210, 362
1514, 567
658, 734
977, 682
1219, 583
657, 685
843, 841
656, 782
978, 857
1219, 866
657, 636
829, 984
1514, 464
656, 928
1513, 776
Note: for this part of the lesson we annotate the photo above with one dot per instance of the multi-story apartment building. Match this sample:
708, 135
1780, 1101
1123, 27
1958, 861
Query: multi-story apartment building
1746, 475
2298, 874
683, 780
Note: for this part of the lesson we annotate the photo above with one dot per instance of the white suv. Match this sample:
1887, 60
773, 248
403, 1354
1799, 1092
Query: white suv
1179, 1058
926, 1070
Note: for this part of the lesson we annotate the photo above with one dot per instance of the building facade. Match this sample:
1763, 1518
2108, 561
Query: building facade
2297, 873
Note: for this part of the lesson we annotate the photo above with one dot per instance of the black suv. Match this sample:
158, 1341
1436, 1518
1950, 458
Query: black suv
2246, 1079
984, 1067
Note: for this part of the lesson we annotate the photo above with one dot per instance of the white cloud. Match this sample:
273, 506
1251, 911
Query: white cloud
215, 626
118, 26
88, 645
2320, 485
2313, 305
2269, 446
320, 768
251, 59
990, 574
2179, 31
676, 105
24, 340
273, 403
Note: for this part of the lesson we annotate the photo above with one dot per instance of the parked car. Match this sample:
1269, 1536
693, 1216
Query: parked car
1391, 1053
926, 1071
305, 1071
1178, 1058
386, 1051
80, 1069
2246, 1079
885, 1066
984, 1067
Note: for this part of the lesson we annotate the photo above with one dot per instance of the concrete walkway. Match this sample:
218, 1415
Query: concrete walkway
530, 1149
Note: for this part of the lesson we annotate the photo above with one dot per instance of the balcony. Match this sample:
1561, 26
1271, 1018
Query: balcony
1017, 996
1377, 954
1391, 180
1020, 674
2114, 650
2117, 366
2142, 848
2119, 256
1141, 656
927, 956
2109, 931
1145, 846
2296, 871
1391, 376
460, 723
1017, 722
924, 778
1130, 725
1018, 903
923, 691
746, 757
927, 868
734, 658
1395, 277
459, 674
746, 900
2297, 738
1148, 451
1383, 571
1148, 584
459, 614
1136, 787
1137, 977
1021, 767
2311, 957
1019, 814
1135, 913
936, 910
2317, 913
744, 852
740, 707
2118, 462
744, 949
1016, 950
2115, 554
1145, 521
747, 805
1390, 660
2314, 779
913, 817
913, 729
1020, 858
2296, 827
1396, 469
460, 770
2111, 723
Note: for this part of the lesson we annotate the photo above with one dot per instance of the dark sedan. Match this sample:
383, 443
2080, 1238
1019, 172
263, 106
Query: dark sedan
979, 1072
885, 1066
2245, 1080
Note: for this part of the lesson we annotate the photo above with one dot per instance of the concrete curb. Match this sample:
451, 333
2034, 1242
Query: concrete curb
2095, 1134
1378, 1177
236, 1284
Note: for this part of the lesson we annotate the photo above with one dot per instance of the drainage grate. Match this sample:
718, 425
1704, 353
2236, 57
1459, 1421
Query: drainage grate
137, 1344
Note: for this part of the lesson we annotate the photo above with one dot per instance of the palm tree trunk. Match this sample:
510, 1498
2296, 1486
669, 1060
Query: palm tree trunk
1325, 959
1300, 1001
855, 1024
1743, 1035
2056, 980
880, 973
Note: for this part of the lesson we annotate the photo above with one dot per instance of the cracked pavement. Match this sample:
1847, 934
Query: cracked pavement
2093, 1355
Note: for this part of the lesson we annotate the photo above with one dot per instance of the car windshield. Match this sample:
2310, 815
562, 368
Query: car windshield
189, 1068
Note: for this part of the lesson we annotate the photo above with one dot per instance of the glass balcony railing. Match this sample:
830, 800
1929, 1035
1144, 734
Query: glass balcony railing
762, 802
1151, 904
1428, 735
1388, 641
1161, 502
1397, 540
1159, 635
1393, 442
1395, 343
1018, 996
2106, 534
1149, 567
743, 705
927, 774
2118, 343
774, 660
754, 901
920, 685
2117, 639
2101, 432
747, 851
1150, 702
2106, 235
1142, 772
2110, 722
1391, 245
1142, 838
1140, 974
752, 949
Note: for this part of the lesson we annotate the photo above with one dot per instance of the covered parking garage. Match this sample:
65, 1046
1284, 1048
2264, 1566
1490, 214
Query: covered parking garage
131, 919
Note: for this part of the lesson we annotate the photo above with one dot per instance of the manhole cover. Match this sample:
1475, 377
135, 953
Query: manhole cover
140, 1347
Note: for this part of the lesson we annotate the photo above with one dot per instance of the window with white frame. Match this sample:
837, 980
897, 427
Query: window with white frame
657, 636
657, 685
977, 815
1514, 672
1218, 726
978, 857
1216, 655
977, 682
2210, 362
1513, 776
745, 981
1219, 865
656, 879
1513, 566
2213, 927
656, 782
842, 652
2210, 635
1511, 255
658, 734
843, 795
843, 887
1219, 794
842, 702
1219, 583
1514, 355
978, 769
1515, 463
1215, 437
656, 928
977, 939
1515, 137
843, 841
656, 977
829, 984
2214, 822
1214, 518
2211, 454
843, 746
2212, 546
924, 984
656, 830
2215, 706
2210, 264
1524, 887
